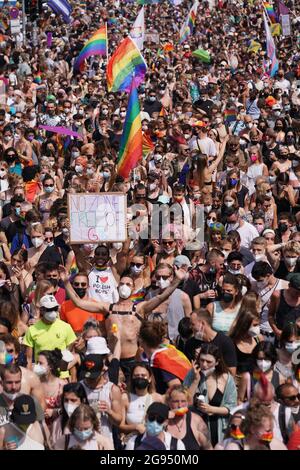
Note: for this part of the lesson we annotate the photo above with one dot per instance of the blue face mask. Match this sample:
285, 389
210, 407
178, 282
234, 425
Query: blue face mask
83, 435
18, 211
153, 428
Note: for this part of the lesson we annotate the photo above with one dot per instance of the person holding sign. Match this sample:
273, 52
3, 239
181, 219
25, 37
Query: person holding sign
124, 313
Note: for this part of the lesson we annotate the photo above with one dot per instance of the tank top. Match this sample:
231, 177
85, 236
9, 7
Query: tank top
245, 361
222, 321
175, 313
286, 313
137, 408
96, 395
189, 439
103, 285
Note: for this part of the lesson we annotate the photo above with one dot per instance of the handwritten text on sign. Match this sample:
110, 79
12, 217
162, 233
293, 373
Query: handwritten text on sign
97, 217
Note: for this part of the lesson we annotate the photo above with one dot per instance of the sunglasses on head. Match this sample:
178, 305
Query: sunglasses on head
158, 419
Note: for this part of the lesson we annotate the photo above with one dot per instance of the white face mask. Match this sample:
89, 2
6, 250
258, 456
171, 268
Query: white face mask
235, 271
228, 203
207, 209
70, 408
50, 316
163, 283
264, 364
208, 372
123, 114
291, 261
11, 396
258, 257
152, 186
90, 171
169, 251
39, 370
37, 242
117, 246
78, 168
254, 331
199, 335
105, 112
291, 346
136, 269
3, 173
244, 290
186, 136
124, 291
225, 253
262, 284
209, 222
295, 409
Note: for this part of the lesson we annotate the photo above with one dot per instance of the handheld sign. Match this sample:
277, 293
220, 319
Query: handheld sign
97, 217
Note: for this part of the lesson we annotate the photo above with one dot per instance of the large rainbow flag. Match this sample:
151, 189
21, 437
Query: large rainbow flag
131, 145
125, 66
188, 26
271, 13
96, 45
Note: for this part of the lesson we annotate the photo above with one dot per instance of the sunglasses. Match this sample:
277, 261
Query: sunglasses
79, 284
168, 243
158, 419
292, 397
138, 265
48, 239
48, 185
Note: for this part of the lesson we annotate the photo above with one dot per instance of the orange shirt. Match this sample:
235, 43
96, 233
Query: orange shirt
75, 316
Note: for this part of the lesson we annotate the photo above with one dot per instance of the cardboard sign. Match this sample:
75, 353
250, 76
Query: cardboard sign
97, 217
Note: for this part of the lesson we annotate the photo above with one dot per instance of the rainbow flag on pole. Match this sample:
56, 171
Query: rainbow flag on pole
271, 49
125, 66
270, 11
96, 45
131, 145
188, 26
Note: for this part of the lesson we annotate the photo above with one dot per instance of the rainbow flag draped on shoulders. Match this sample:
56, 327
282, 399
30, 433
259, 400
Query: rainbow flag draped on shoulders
126, 64
131, 145
170, 359
96, 45
188, 26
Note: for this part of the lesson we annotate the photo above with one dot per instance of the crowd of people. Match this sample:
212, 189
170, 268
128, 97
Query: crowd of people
166, 342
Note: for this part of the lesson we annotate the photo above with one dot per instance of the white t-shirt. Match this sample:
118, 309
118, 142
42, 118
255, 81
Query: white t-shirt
206, 146
168, 438
247, 233
103, 286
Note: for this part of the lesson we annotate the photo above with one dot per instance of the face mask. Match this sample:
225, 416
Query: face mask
152, 99
140, 383
226, 297
253, 158
258, 257
70, 408
7, 138
39, 370
291, 262
65, 231
199, 335
295, 163
290, 140
163, 283
153, 428
17, 136
264, 365
90, 171
228, 203
225, 253
208, 372
186, 136
75, 154
254, 331
207, 209
233, 182
50, 316
234, 271
37, 242
80, 291
124, 291
290, 347
152, 186
136, 269
282, 227
105, 112
169, 251
3, 173
18, 211
249, 125
106, 175
295, 409
262, 284
11, 396
178, 198
78, 168
123, 114
83, 435
209, 222
272, 179
49, 189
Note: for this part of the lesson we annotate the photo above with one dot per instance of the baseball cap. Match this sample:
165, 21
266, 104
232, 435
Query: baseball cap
49, 301
158, 409
24, 411
92, 366
97, 345
182, 260
294, 279
151, 443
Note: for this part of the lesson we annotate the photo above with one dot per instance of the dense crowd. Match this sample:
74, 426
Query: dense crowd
185, 340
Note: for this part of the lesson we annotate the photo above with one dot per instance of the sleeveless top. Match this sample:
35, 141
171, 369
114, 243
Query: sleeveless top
245, 361
96, 395
137, 408
54, 402
286, 313
189, 439
222, 321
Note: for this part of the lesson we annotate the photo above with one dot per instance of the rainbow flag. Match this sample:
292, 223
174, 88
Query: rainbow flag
171, 360
148, 145
188, 26
230, 115
96, 45
271, 13
131, 145
73, 269
126, 65
138, 296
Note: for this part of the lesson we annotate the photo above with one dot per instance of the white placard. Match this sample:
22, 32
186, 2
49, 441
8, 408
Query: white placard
286, 25
97, 217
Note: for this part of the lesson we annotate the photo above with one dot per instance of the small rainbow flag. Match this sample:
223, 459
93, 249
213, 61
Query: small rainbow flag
230, 115
125, 66
168, 47
271, 13
96, 45
73, 269
188, 26
237, 433
131, 145
138, 296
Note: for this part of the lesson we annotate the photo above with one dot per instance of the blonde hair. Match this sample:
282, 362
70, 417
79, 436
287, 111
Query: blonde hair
37, 227
292, 246
40, 291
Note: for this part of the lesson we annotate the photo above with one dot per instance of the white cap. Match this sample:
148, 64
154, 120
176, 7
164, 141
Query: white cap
182, 260
48, 301
97, 345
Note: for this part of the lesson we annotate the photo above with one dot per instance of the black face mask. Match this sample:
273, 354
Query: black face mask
53, 281
290, 140
226, 297
80, 291
282, 227
140, 383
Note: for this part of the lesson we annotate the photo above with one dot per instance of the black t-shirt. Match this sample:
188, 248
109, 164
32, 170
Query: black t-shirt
282, 271
53, 254
152, 107
13, 229
247, 256
191, 288
266, 151
60, 242
162, 378
224, 343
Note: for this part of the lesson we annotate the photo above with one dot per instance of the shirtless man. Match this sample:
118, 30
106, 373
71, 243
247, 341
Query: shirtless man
124, 313
30, 382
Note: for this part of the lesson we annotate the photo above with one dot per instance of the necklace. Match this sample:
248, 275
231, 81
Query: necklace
179, 427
